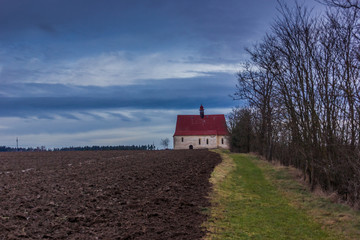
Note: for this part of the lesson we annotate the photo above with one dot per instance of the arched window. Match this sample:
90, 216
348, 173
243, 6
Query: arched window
222, 141
207, 141
199, 141
182, 139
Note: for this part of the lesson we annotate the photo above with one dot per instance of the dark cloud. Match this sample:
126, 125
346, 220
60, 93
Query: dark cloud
68, 116
37, 99
45, 116
26, 107
47, 28
135, 25
119, 116
92, 115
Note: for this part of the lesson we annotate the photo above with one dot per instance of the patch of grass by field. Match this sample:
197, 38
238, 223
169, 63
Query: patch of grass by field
251, 202
339, 219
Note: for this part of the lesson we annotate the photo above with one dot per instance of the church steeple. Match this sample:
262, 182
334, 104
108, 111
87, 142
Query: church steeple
201, 111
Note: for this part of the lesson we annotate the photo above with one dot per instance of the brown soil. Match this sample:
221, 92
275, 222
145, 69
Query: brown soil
105, 194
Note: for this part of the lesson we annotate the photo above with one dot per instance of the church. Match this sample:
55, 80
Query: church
201, 131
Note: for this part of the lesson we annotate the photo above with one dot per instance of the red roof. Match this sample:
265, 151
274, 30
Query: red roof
191, 125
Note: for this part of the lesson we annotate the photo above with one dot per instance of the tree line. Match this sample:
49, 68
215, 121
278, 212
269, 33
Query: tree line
85, 148
302, 89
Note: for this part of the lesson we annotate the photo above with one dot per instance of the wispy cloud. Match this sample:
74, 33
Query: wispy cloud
120, 68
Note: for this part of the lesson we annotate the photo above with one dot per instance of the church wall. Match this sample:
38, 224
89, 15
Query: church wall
209, 141
223, 141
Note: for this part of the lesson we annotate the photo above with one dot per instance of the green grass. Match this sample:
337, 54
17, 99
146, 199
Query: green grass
339, 219
253, 200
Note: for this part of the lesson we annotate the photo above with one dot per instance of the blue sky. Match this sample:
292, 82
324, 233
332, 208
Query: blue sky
117, 72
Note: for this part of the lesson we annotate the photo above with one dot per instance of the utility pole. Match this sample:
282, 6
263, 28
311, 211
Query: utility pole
17, 144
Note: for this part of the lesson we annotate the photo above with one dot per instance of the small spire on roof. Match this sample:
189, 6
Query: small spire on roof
201, 111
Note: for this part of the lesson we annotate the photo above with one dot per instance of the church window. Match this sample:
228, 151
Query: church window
182, 139
222, 141
207, 141
199, 141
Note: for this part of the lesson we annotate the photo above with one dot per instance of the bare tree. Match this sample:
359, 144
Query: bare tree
302, 84
256, 85
342, 3
165, 143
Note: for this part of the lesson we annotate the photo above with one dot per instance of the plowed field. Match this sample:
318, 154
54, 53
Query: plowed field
105, 194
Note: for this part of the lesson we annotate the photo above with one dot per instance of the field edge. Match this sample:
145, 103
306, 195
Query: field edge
220, 173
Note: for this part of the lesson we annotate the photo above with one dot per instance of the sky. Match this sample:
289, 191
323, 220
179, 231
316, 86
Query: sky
118, 72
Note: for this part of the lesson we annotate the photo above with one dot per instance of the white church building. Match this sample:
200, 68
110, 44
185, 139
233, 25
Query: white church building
201, 131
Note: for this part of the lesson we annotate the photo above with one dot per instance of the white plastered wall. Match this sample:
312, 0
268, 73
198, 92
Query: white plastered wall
210, 141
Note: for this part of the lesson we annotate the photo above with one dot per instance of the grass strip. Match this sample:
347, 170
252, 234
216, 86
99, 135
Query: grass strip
339, 219
247, 205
